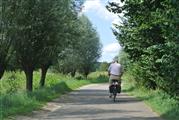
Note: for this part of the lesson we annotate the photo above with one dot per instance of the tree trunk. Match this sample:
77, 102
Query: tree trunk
29, 79
43, 76
86, 74
2, 70
73, 73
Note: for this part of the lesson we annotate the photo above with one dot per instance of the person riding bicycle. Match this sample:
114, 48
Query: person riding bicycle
115, 72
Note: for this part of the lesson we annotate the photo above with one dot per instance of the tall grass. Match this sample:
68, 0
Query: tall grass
15, 100
162, 103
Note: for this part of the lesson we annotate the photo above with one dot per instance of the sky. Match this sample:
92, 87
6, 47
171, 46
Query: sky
102, 20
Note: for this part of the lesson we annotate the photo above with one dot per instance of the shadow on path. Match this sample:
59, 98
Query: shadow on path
95, 104
95, 96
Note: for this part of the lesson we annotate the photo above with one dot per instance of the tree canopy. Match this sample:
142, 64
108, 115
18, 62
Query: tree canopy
36, 34
149, 35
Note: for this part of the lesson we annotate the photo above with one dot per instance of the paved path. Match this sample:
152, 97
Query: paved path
92, 103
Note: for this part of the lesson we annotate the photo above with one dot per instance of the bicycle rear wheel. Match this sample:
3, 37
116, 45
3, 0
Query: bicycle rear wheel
114, 94
114, 98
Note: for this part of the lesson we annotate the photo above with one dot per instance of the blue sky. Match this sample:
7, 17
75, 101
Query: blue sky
102, 19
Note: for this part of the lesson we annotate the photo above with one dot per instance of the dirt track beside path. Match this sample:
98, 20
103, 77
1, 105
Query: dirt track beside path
92, 103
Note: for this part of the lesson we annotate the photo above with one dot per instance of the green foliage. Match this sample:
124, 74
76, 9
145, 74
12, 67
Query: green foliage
168, 108
34, 28
17, 103
90, 48
124, 60
98, 77
149, 35
83, 53
103, 66
36, 34
5, 34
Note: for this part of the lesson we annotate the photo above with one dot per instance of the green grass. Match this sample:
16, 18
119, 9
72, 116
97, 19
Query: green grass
166, 106
15, 100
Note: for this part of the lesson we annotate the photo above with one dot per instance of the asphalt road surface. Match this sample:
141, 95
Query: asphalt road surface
92, 102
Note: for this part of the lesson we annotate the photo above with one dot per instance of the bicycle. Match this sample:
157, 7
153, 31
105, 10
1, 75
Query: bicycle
115, 88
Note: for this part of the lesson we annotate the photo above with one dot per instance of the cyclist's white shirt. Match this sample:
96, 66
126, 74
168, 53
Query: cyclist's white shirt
115, 69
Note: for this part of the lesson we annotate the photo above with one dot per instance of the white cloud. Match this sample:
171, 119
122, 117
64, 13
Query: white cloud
116, 21
91, 5
112, 48
110, 51
117, 1
107, 58
99, 7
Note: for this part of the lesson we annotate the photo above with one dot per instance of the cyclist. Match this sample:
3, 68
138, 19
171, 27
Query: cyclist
115, 72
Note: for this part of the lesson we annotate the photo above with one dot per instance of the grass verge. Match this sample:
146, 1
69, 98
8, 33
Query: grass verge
14, 100
160, 102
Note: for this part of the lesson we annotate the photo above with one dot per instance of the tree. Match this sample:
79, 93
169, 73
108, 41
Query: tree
5, 34
28, 41
56, 31
68, 56
90, 48
69, 62
124, 59
83, 50
149, 36
38, 28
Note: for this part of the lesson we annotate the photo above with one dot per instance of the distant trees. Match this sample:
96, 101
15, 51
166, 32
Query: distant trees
41, 33
149, 35
83, 54
90, 47
103, 66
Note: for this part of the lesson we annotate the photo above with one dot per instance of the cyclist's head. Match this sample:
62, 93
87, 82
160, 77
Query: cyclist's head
115, 60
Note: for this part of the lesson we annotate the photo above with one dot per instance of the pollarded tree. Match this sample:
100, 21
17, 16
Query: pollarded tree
5, 34
28, 37
90, 46
37, 27
66, 35
83, 51
56, 18
68, 62
69, 57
